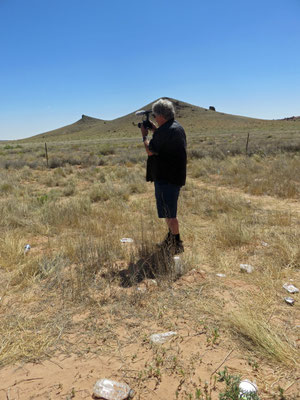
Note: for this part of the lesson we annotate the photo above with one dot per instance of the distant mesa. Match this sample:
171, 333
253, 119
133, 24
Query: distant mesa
291, 118
87, 119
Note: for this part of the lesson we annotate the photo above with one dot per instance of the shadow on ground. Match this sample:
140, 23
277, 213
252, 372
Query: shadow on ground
151, 265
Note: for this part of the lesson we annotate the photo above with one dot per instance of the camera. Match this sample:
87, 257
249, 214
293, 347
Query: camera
146, 123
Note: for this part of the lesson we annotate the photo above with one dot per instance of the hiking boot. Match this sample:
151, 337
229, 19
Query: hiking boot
177, 247
172, 246
167, 242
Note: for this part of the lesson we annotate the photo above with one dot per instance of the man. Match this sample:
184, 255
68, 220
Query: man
166, 167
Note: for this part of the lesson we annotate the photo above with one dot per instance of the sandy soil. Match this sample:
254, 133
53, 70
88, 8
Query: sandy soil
73, 376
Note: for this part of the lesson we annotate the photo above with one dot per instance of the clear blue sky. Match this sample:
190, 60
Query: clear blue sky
107, 58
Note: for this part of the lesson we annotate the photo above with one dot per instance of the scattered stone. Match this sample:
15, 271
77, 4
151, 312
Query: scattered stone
289, 300
178, 266
126, 240
160, 338
246, 268
147, 285
290, 288
112, 390
27, 248
246, 387
264, 244
192, 276
221, 275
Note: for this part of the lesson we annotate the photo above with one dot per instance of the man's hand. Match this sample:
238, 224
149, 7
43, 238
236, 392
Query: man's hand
144, 130
145, 140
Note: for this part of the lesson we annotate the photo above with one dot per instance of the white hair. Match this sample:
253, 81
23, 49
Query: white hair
165, 108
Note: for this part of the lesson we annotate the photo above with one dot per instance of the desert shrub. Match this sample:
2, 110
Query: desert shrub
6, 188
105, 150
231, 232
55, 163
101, 176
52, 267
284, 251
59, 172
69, 190
70, 213
98, 193
25, 173
49, 181
101, 161
42, 199
11, 250
107, 191
15, 213
216, 204
137, 187
195, 154
91, 253
12, 164
204, 167
257, 175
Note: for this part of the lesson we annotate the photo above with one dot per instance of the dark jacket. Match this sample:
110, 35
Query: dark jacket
169, 160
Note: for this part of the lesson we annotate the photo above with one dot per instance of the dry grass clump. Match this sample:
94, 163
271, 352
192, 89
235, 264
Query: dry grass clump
232, 232
284, 250
258, 335
274, 176
27, 339
11, 250
74, 218
15, 213
65, 214
107, 191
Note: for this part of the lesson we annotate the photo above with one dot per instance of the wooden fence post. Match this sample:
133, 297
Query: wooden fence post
247, 143
46, 154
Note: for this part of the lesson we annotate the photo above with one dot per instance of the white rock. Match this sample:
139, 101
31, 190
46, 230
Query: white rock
290, 288
247, 387
126, 240
178, 266
112, 390
246, 268
161, 337
141, 289
27, 248
289, 300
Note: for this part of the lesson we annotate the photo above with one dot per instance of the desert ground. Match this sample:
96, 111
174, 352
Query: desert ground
81, 305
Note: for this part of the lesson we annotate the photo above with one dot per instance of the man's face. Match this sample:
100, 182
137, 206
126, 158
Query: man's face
159, 119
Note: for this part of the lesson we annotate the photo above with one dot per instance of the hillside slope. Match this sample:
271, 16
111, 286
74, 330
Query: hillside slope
196, 120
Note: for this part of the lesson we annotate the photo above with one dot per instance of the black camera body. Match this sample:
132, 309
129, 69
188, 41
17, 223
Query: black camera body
146, 122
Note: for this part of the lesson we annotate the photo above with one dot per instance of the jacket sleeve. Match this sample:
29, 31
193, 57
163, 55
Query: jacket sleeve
157, 142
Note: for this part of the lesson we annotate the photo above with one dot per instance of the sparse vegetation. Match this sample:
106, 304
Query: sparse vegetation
80, 290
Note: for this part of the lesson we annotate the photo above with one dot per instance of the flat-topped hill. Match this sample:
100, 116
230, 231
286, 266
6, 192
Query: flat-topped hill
195, 119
